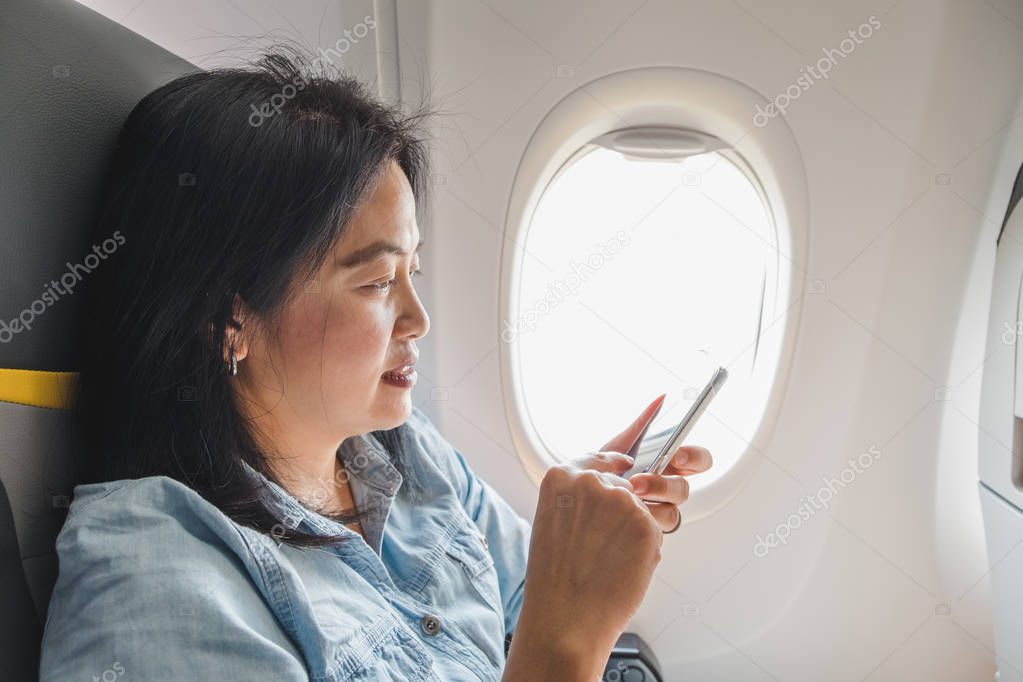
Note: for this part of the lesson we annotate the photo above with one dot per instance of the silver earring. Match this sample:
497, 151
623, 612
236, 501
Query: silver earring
233, 367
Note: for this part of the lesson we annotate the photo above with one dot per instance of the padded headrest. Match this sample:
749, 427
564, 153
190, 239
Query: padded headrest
70, 76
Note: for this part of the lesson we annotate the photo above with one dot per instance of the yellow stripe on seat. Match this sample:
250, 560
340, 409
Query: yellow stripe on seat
37, 388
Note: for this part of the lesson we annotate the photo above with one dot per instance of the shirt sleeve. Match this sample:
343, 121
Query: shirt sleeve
145, 596
507, 533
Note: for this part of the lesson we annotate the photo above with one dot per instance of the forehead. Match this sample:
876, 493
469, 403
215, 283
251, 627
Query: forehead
387, 213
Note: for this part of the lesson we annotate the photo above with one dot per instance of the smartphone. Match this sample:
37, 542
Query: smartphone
650, 463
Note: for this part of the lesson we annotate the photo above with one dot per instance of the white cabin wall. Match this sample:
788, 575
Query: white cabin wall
229, 32
859, 592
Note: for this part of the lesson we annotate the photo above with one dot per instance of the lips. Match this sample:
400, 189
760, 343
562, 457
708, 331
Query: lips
405, 367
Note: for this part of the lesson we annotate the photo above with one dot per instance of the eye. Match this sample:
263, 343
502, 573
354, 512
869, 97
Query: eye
384, 286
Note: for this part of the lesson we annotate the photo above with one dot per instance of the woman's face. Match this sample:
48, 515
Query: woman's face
355, 320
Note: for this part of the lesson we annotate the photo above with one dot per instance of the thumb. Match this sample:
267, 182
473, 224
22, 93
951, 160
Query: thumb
624, 441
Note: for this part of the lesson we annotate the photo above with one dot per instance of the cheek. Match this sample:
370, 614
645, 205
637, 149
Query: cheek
358, 344
343, 340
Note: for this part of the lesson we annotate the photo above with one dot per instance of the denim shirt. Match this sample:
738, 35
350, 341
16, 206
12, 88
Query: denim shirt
155, 583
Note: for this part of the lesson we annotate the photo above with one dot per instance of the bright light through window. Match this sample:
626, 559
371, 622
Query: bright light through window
641, 277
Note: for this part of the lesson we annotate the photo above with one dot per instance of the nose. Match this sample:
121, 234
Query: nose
414, 321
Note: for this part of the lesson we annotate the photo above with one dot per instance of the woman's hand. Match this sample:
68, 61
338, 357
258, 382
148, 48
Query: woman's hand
593, 550
594, 545
660, 492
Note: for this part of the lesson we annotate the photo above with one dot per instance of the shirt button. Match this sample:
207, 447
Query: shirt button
430, 624
486, 545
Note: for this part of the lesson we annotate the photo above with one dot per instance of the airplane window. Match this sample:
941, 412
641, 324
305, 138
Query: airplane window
640, 276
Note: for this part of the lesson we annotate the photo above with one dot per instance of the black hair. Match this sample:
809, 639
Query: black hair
231, 181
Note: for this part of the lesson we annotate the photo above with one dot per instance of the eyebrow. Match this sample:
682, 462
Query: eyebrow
372, 252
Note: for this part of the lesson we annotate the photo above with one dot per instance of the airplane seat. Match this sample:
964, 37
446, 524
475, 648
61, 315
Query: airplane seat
70, 76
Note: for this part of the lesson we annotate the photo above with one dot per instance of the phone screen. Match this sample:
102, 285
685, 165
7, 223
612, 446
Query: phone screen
656, 462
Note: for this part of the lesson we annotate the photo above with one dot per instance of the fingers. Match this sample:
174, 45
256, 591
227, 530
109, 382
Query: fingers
690, 459
638, 442
673, 489
611, 480
612, 462
665, 513
624, 440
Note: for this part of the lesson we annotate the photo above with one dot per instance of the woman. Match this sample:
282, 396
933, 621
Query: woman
257, 497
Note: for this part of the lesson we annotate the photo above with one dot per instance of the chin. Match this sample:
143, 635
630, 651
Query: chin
394, 413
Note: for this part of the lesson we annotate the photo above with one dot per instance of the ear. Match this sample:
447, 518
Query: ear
236, 332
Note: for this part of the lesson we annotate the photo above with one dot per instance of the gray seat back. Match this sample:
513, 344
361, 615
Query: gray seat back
69, 78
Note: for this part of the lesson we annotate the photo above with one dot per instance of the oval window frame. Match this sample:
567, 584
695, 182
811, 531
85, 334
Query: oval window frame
688, 99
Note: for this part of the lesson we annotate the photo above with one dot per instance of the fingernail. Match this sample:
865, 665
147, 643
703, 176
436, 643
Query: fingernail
639, 486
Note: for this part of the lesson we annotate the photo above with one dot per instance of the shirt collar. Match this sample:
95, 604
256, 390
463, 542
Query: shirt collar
364, 459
